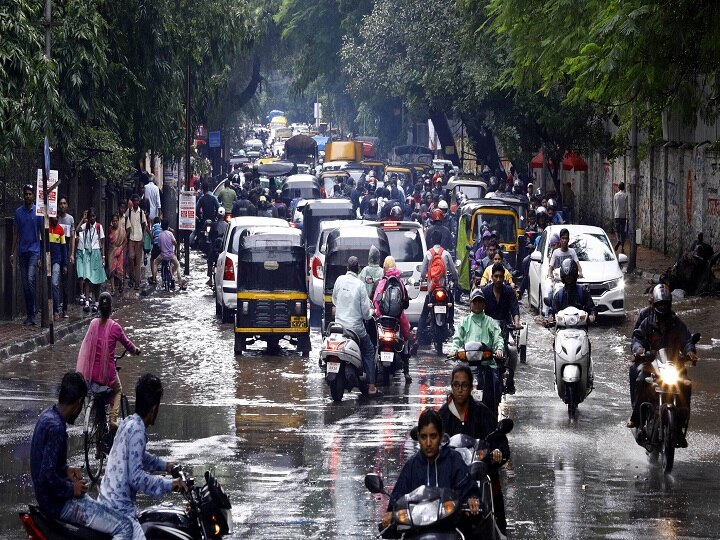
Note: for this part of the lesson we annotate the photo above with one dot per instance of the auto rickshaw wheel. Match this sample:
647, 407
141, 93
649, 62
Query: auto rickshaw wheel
239, 343
273, 345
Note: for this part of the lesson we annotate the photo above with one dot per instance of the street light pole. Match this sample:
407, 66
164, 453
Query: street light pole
632, 260
47, 318
188, 133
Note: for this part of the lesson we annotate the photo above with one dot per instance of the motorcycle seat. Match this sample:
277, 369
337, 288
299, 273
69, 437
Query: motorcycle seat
388, 322
337, 328
54, 527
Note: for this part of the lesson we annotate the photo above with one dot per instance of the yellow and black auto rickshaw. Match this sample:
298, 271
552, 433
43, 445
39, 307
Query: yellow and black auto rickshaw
272, 299
501, 218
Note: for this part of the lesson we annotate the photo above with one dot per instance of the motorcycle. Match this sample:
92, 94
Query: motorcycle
439, 302
206, 516
429, 513
391, 348
488, 376
573, 363
473, 450
341, 361
659, 420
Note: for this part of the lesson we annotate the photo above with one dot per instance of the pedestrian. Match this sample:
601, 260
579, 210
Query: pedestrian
118, 244
227, 197
90, 257
568, 200
620, 206
152, 195
26, 241
135, 224
67, 222
58, 262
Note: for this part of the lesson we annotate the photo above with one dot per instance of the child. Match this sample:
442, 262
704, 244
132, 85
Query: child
90, 257
58, 262
167, 243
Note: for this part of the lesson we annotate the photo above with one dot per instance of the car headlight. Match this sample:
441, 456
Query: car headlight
616, 284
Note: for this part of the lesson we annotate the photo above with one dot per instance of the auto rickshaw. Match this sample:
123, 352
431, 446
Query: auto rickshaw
329, 178
342, 243
465, 187
377, 166
500, 218
272, 298
521, 205
407, 176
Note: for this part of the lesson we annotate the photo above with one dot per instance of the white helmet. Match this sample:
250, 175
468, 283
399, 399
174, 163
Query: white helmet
221, 212
443, 205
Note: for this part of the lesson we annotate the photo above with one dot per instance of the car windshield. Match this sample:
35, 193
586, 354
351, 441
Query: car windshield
405, 246
503, 224
592, 247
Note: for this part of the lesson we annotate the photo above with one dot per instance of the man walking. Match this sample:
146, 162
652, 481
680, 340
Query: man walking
26, 240
67, 222
620, 205
135, 223
152, 195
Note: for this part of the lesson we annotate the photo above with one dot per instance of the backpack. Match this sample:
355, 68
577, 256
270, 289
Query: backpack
436, 270
392, 301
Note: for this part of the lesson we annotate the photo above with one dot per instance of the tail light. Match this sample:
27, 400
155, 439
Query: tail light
487, 354
424, 286
388, 335
30, 528
229, 270
440, 295
332, 345
462, 355
316, 268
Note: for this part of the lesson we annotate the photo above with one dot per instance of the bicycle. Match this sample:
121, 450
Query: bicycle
168, 281
96, 432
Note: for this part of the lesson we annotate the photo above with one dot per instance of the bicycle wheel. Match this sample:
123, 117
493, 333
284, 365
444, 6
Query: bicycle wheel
124, 406
93, 432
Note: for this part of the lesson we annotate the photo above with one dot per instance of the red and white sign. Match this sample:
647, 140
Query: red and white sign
187, 211
52, 196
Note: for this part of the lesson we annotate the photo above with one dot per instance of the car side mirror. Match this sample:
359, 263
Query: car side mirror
478, 470
547, 302
622, 259
536, 256
505, 426
374, 483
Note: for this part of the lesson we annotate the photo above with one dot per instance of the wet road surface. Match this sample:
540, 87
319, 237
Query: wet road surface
293, 462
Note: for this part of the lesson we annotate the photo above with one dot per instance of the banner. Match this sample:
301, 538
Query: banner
52, 196
187, 211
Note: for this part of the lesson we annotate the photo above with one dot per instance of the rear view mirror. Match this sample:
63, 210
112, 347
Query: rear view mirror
374, 483
536, 256
505, 426
622, 259
695, 338
478, 470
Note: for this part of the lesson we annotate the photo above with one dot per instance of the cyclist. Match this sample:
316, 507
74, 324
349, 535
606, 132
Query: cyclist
96, 359
166, 243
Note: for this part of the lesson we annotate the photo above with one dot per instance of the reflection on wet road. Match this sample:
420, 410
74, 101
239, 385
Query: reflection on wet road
293, 462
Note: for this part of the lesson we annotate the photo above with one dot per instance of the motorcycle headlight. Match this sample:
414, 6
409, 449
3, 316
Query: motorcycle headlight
425, 513
669, 375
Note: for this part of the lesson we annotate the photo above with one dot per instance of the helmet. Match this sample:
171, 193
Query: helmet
437, 215
262, 199
568, 271
372, 206
662, 300
221, 212
396, 212
477, 294
539, 193
540, 211
552, 204
443, 205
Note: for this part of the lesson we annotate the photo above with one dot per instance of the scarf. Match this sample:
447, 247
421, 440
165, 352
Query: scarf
88, 349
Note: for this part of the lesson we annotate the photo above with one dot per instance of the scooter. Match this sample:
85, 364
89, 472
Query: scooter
573, 363
659, 420
206, 516
341, 361
489, 382
391, 348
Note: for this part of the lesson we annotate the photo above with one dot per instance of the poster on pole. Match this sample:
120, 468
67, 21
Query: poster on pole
52, 196
187, 211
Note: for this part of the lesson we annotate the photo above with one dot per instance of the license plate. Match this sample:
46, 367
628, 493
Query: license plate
386, 357
440, 309
298, 322
333, 367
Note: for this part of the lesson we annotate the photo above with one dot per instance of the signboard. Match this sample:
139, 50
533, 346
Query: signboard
214, 139
52, 196
187, 211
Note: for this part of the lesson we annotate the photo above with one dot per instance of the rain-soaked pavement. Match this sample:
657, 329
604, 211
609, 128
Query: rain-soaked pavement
293, 462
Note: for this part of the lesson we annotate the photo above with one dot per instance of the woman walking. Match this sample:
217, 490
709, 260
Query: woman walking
90, 257
118, 244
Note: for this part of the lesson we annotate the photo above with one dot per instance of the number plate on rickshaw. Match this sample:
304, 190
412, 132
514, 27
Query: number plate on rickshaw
440, 309
333, 367
298, 322
386, 357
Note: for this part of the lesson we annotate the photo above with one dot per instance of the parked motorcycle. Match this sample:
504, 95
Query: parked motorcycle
481, 357
659, 420
391, 348
341, 361
206, 516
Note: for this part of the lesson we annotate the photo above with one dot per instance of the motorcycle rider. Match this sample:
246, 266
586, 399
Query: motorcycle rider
463, 414
371, 274
352, 308
498, 258
60, 489
562, 253
663, 329
216, 231
390, 270
448, 469
207, 206
437, 225
129, 462
501, 304
438, 281
572, 294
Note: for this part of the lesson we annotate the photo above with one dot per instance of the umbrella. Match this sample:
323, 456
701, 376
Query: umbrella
572, 161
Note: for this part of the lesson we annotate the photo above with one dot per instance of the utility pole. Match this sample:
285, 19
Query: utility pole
188, 134
633, 189
47, 318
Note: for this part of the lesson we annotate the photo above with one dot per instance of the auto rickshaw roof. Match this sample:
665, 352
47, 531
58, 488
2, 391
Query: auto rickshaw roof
465, 181
276, 168
512, 199
470, 207
325, 174
328, 207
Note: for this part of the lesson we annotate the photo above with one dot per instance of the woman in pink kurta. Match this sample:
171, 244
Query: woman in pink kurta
96, 359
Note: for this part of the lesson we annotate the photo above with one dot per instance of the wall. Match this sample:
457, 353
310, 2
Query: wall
678, 195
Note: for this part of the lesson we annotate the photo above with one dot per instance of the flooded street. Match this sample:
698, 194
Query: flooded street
293, 462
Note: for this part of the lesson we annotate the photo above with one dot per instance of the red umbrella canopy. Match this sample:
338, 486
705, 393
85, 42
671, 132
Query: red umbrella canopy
538, 162
572, 161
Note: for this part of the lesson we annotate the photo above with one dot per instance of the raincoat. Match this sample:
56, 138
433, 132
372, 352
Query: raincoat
352, 304
372, 273
479, 327
404, 323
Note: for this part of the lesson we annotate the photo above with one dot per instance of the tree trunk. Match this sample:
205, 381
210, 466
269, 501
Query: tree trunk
484, 145
445, 134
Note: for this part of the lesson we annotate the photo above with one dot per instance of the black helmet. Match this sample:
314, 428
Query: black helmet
552, 204
662, 300
568, 271
372, 206
396, 213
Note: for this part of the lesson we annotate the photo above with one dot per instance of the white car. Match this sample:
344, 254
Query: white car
407, 246
600, 267
226, 267
316, 284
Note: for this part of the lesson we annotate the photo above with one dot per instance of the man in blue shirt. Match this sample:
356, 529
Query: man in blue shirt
26, 239
59, 489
